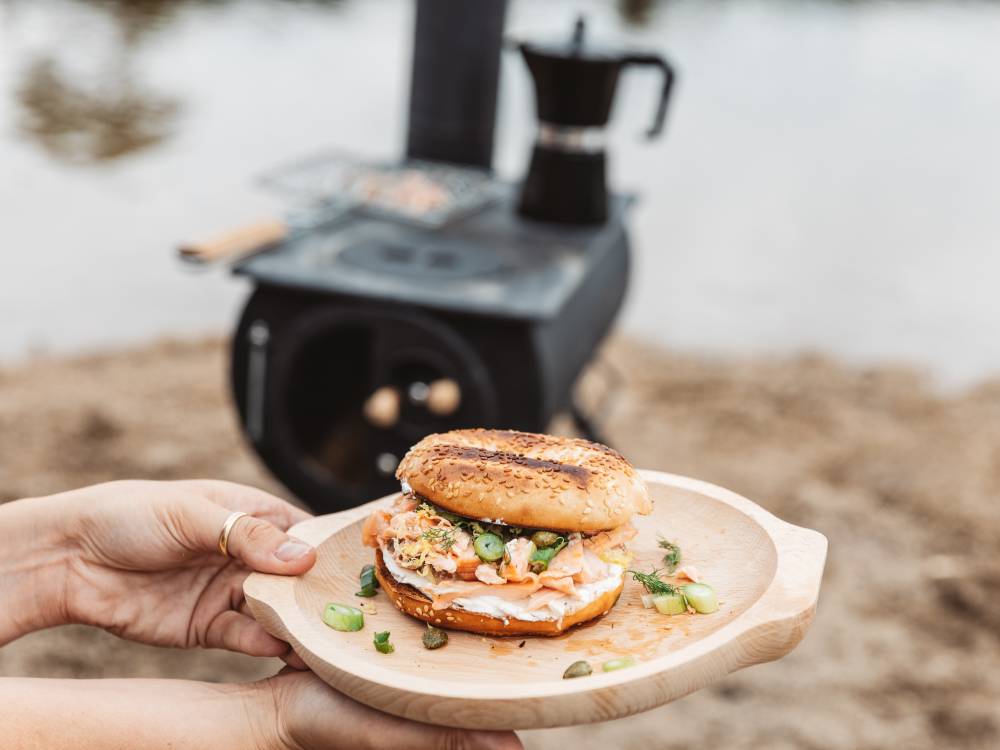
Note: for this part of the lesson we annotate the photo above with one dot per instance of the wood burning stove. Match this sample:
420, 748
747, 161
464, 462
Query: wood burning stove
508, 310
353, 323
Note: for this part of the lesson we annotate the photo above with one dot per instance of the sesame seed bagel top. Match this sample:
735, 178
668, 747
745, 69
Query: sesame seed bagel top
525, 479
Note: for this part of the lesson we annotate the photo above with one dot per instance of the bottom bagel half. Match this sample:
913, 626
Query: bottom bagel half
414, 603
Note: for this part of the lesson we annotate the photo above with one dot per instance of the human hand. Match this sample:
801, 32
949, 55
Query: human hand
293, 711
146, 565
296, 711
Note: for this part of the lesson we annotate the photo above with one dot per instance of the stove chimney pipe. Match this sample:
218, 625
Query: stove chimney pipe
456, 70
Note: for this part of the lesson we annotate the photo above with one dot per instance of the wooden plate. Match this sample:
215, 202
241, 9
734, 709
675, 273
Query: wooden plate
766, 574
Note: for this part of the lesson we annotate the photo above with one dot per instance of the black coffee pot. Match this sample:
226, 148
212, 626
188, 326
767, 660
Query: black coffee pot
574, 89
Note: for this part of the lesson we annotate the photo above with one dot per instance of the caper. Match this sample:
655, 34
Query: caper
543, 539
434, 638
577, 669
489, 547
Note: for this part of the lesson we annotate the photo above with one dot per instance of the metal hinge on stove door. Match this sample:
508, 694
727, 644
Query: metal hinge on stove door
258, 336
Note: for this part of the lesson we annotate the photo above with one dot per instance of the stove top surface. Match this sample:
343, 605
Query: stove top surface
492, 262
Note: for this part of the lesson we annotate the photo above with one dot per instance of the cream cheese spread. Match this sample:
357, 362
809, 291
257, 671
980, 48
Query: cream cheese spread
495, 606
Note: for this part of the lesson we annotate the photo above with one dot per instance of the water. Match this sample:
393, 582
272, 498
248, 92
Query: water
828, 180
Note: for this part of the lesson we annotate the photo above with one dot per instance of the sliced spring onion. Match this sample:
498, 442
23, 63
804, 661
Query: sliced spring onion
343, 618
577, 669
369, 583
701, 597
368, 578
434, 638
382, 645
670, 604
614, 664
489, 547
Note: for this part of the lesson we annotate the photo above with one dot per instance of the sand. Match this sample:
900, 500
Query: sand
903, 480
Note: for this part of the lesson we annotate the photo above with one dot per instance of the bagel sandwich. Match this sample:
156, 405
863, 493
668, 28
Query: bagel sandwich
507, 533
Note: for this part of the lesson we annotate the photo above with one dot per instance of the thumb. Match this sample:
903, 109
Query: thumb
258, 544
262, 546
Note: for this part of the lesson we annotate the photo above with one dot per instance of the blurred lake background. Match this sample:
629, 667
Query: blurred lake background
828, 180
827, 183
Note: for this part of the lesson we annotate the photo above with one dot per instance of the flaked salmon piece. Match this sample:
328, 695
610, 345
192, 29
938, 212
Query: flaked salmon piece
442, 563
488, 574
467, 562
559, 583
405, 503
519, 552
594, 569
373, 527
689, 572
543, 598
434, 522
404, 526
462, 543
448, 592
607, 539
569, 560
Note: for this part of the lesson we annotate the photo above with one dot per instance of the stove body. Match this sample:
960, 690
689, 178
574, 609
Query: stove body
502, 309
510, 310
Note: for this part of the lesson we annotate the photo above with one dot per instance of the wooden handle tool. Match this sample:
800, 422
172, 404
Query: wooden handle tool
236, 242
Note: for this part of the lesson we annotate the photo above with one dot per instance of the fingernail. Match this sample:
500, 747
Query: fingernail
293, 549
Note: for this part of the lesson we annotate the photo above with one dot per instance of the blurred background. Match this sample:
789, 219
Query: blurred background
808, 317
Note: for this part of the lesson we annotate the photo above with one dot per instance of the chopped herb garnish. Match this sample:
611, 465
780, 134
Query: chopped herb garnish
673, 557
652, 583
477, 528
443, 538
382, 645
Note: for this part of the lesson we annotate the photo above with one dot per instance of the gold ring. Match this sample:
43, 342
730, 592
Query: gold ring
227, 527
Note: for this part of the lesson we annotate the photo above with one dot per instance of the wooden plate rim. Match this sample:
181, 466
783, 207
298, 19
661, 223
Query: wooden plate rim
788, 603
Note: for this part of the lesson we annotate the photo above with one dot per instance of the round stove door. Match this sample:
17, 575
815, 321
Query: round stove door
334, 393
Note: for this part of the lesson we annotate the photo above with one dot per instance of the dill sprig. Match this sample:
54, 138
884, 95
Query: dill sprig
475, 528
652, 583
673, 557
443, 538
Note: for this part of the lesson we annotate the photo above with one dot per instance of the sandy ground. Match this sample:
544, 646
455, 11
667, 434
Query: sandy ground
904, 482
